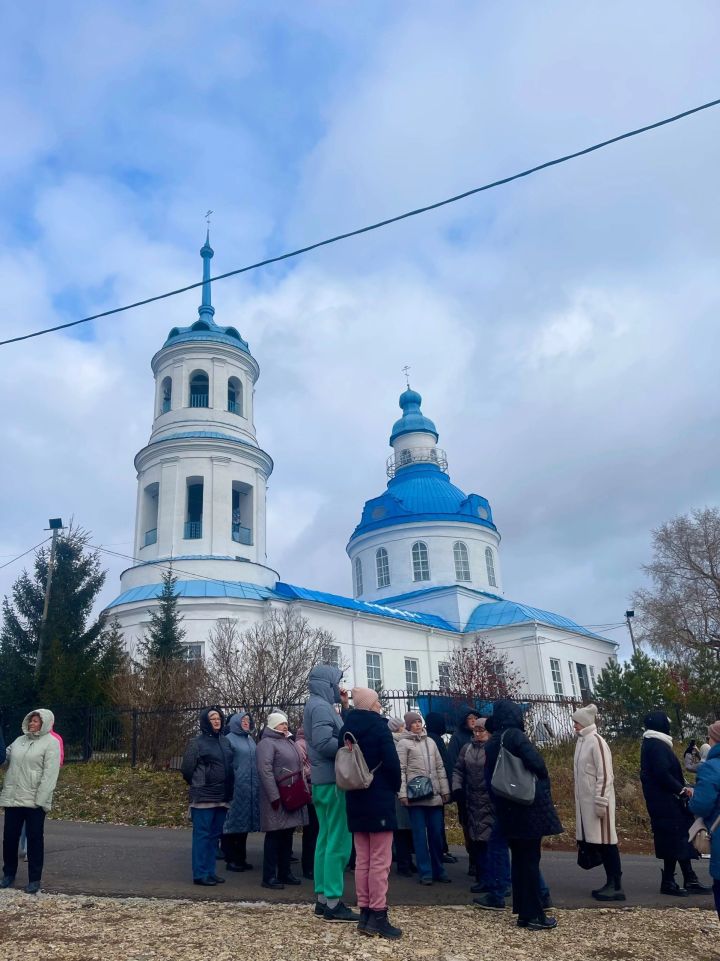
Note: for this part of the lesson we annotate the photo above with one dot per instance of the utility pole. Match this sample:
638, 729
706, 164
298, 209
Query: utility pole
55, 525
628, 617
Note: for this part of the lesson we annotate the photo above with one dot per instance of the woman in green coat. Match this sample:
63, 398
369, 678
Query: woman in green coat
27, 793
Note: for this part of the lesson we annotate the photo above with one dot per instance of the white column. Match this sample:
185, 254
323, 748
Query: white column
218, 385
167, 506
221, 506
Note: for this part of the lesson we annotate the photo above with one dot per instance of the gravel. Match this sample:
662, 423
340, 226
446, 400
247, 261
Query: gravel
77, 928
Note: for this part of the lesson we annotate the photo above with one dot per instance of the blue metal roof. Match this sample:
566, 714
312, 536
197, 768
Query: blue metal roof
423, 492
195, 588
413, 419
502, 613
398, 598
290, 592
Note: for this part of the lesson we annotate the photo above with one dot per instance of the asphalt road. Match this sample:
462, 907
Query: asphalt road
110, 859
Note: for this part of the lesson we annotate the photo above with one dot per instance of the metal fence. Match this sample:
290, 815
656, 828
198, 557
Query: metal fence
157, 736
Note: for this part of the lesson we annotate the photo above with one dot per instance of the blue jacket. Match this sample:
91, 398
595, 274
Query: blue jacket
705, 803
322, 723
244, 814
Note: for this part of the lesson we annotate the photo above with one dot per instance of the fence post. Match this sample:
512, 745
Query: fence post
87, 738
134, 743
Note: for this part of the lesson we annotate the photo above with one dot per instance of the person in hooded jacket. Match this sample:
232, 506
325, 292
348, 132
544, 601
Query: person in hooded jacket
524, 825
322, 724
420, 758
371, 811
34, 765
705, 803
462, 735
208, 770
277, 758
470, 787
666, 797
244, 814
436, 729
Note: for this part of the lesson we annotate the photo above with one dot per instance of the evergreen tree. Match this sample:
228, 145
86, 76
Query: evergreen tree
163, 639
77, 656
630, 690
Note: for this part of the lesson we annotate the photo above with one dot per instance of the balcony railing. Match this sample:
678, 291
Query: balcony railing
166, 405
241, 535
234, 407
150, 537
198, 400
193, 530
416, 455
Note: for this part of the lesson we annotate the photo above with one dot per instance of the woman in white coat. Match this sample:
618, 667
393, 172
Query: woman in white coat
27, 795
595, 801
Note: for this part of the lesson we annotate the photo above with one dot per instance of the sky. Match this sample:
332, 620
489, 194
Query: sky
562, 329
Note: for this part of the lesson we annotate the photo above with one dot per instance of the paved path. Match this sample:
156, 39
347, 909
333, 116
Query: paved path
112, 859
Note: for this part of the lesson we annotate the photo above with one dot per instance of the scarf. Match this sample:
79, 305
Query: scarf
659, 734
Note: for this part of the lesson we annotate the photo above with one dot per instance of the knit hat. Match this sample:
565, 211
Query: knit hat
714, 731
395, 724
585, 716
276, 719
410, 717
480, 723
364, 698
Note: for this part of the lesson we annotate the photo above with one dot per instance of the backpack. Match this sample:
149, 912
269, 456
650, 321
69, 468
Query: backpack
511, 780
351, 770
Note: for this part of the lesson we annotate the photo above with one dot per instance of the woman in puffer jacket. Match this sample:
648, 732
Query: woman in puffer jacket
27, 795
470, 790
420, 758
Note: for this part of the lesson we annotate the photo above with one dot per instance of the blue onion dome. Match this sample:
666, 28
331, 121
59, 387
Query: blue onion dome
413, 419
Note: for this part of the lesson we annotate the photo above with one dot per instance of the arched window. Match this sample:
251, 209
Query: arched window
199, 389
490, 564
235, 396
462, 562
420, 562
357, 566
382, 566
166, 395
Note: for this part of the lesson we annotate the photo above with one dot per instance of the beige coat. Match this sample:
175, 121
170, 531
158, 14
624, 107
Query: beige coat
419, 755
34, 766
594, 789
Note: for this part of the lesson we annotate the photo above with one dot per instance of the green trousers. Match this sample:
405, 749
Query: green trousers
334, 841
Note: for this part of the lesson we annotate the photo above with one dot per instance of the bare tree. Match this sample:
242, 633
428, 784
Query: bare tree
680, 614
268, 664
481, 670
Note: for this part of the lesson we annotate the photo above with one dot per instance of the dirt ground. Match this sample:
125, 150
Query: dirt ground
63, 928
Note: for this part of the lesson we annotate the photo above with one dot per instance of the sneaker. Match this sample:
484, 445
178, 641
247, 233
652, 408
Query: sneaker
7, 881
341, 913
539, 924
488, 902
379, 924
32, 888
449, 858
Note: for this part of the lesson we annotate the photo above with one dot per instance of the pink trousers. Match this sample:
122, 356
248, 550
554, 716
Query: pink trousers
373, 858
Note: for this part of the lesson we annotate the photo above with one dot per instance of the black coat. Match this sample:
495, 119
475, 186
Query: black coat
662, 781
207, 765
520, 821
373, 809
435, 727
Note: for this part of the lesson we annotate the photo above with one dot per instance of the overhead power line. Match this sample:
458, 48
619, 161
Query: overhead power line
28, 551
376, 226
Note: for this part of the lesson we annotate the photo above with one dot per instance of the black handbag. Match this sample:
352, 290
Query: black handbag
589, 856
420, 788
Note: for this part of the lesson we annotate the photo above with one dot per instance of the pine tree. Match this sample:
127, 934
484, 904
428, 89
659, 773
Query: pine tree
77, 657
163, 639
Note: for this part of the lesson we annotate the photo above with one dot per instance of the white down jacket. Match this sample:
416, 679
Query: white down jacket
34, 766
594, 789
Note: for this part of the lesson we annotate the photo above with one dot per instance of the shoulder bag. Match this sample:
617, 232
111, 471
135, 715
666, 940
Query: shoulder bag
420, 788
700, 835
294, 792
511, 780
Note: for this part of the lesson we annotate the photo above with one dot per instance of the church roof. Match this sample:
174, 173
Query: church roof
413, 420
503, 613
423, 492
205, 328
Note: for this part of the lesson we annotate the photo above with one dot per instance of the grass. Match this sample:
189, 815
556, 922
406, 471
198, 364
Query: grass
118, 794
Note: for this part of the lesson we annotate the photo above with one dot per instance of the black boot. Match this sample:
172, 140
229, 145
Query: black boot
670, 886
379, 924
363, 922
612, 890
693, 885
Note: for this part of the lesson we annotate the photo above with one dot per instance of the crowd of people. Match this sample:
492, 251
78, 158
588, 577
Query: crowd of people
406, 774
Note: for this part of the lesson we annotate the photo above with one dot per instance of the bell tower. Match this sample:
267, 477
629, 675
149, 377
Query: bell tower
202, 476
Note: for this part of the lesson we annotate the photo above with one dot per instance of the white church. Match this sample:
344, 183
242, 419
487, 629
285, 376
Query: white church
424, 558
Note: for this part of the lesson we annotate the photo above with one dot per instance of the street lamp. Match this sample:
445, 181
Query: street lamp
628, 617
